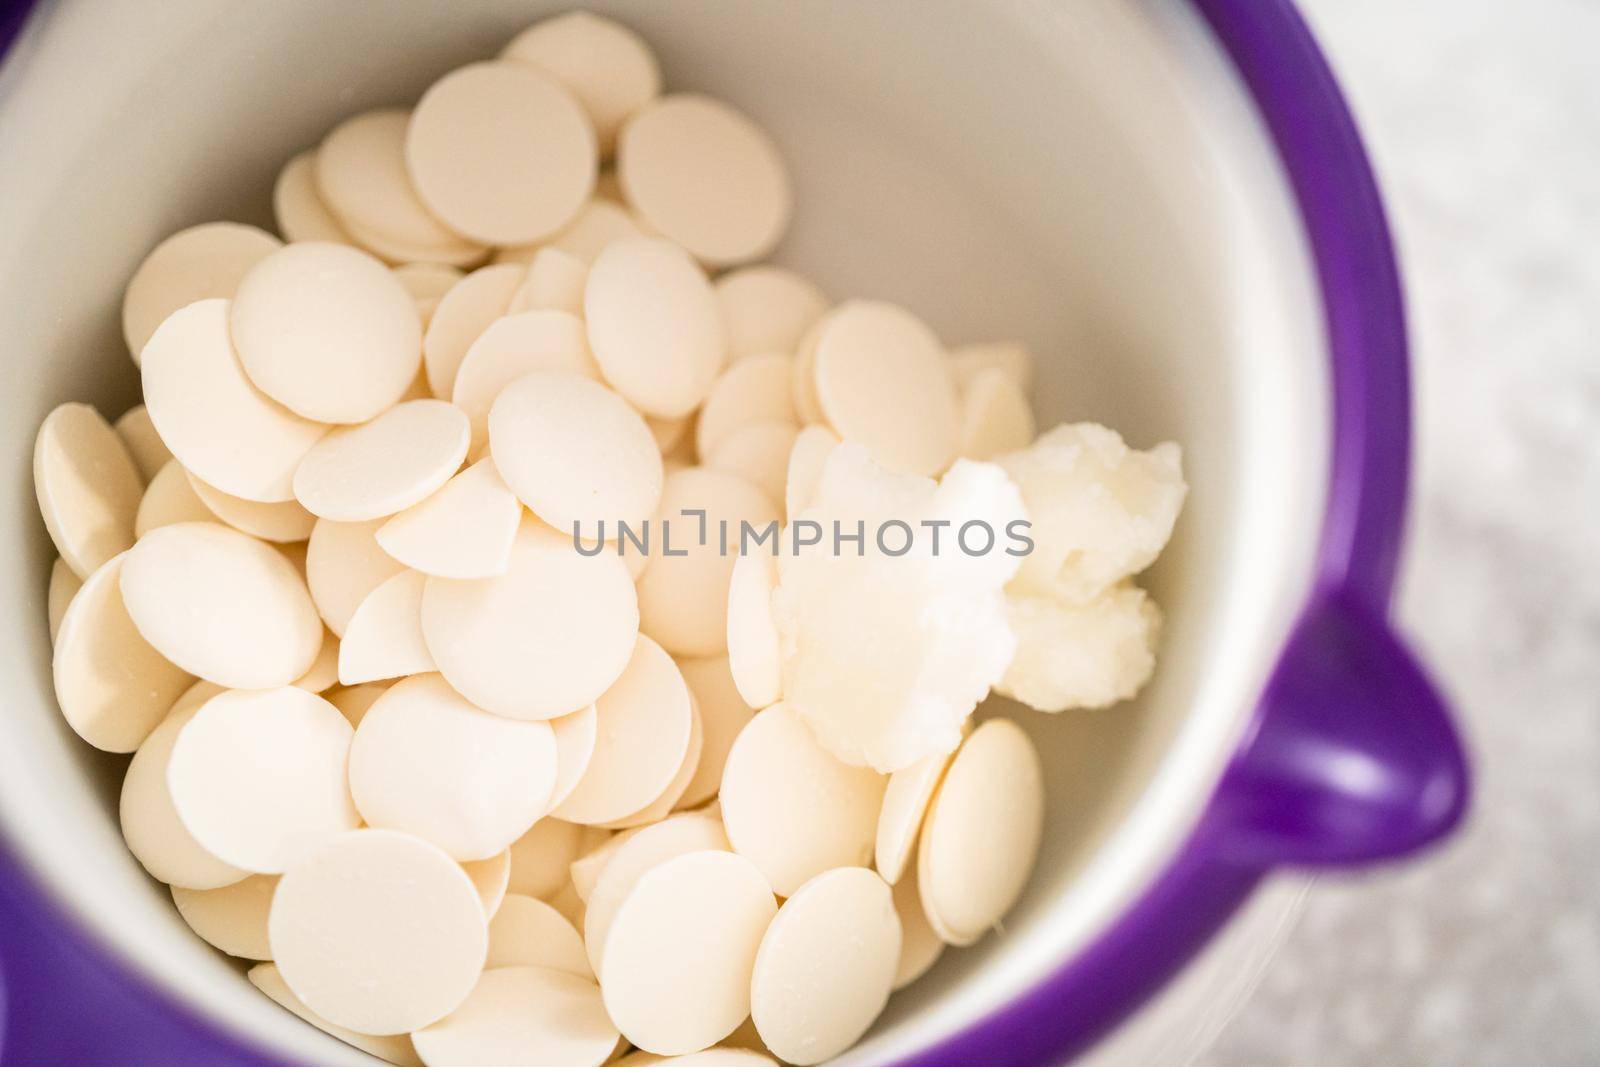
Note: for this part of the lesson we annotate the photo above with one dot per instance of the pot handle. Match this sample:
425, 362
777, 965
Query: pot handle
1353, 758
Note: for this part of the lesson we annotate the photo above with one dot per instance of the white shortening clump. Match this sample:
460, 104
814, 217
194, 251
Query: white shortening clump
885, 656
1101, 511
1081, 655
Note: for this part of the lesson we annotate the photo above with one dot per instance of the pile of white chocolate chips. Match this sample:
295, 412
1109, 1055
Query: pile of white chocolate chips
474, 789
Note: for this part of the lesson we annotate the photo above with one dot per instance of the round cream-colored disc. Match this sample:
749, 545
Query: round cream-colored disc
757, 388
812, 446
488, 778
396, 1048
88, 486
670, 798
258, 776
643, 725
112, 685
344, 563
427, 283
755, 657
384, 637
378, 931
575, 739
523, 1015
683, 599
221, 605
704, 175
491, 878
555, 283
461, 317
283, 521
542, 640
791, 808
327, 331
323, 674
298, 205
216, 422
767, 309
361, 174
171, 499
384, 466
511, 347
149, 452
883, 382
681, 951
64, 585
233, 917
920, 947
527, 932
541, 857
991, 804
654, 325
758, 452
608, 67
826, 966
995, 416
905, 802
150, 824
195, 264
632, 860
501, 153
723, 713
575, 453
464, 530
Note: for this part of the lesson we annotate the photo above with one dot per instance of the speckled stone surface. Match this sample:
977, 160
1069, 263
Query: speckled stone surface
1484, 118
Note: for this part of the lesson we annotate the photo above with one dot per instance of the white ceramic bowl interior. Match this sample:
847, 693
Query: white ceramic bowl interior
1085, 176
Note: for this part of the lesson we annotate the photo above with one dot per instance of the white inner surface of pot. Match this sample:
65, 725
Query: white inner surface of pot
1087, 177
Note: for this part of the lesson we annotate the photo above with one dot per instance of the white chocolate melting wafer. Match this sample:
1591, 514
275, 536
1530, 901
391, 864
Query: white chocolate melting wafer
327, 331
682, 949
644, 721
793, 809
464, 530
258, 776
232, 918
489, 777
383, 466
195, 264
826, 966
608, 67
221, 605
540, 641
218, 424
384, 637
883, 381
706, 176
991, 803
532, 1015
575, 453
527, 932
654, 325
87, 486
501, 153
378, 931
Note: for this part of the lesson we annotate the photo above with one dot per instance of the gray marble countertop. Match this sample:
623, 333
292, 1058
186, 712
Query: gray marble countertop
1484, 120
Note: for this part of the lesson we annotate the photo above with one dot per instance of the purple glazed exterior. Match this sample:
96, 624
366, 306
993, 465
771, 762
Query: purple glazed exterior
1350, 757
